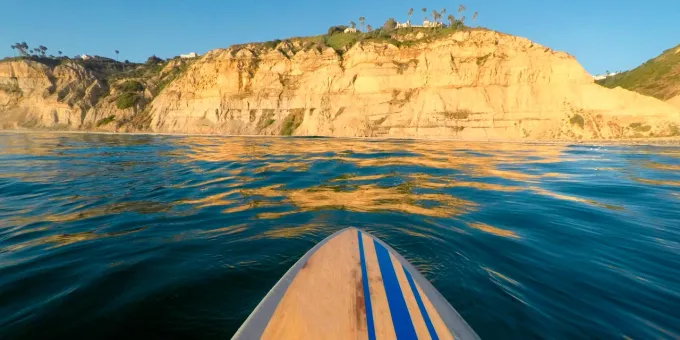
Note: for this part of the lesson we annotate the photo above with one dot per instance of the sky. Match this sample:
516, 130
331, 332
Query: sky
602, 34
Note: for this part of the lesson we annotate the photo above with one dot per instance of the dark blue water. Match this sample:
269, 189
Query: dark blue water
106, 236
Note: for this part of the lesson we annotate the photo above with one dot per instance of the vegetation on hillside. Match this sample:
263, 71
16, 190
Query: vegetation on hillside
658, 77
341, 40
130, 94
105, 121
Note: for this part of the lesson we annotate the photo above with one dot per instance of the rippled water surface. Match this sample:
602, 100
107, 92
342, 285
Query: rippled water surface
107, 236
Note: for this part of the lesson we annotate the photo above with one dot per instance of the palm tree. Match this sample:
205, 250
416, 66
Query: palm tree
462, 20
362, 20
369, 28
452, 20
461, 9
352, 24
443, 11
14, 49
410, 11
59, 53
424, 12
434, 15
116, 52
23, 48
474, 16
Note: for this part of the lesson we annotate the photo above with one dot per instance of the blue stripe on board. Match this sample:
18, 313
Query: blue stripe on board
421, 306
367, 293
401, 319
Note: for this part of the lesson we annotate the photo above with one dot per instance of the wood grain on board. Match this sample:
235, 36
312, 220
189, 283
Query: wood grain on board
326, 298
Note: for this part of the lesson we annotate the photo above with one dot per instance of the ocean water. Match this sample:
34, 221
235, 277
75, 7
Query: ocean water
140, 236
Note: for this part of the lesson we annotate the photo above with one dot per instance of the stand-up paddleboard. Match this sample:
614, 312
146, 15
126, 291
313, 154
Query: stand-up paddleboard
354, 286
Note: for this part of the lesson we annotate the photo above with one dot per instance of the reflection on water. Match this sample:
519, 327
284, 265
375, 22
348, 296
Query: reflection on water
163, 236
492, 230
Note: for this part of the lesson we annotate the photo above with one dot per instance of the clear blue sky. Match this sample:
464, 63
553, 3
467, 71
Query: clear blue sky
602, 34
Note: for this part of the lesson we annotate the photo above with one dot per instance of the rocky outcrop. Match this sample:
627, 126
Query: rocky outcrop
472, 84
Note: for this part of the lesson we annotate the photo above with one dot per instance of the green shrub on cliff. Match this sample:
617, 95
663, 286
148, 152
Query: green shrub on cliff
336, 29
577, 119
389, 25
106, 120
271, 44
131, 86
292, 122
341, 41
127, 100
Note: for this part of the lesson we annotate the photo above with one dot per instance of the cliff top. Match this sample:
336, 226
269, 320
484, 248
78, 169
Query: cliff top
336, 39
342, 42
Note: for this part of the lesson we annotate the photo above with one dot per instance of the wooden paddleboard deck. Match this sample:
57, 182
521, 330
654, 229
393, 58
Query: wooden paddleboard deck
354, 286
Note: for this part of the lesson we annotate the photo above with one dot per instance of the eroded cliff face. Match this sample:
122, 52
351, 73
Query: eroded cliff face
68, 95
34, 94
473, 84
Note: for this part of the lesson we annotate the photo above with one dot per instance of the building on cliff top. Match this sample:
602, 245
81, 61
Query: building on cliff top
188, 55
95, 58
603, 76
426, 24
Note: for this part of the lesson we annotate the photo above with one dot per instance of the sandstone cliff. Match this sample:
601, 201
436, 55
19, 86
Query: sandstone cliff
67, 94
675, 101
469, 84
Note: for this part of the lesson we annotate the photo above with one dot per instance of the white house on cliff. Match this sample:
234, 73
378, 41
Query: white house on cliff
188, 55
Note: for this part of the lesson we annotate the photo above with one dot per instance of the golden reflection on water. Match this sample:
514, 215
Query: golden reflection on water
433, 182
61, 240
498, 275
297, 154
662, 166
211, 200
229, 230
656, 181
206, 183
415, 233
493, 230
287, 166
359, 178
426, 153
82, 212
412, 192
545, 192
293, 232
474, 160
365, 198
